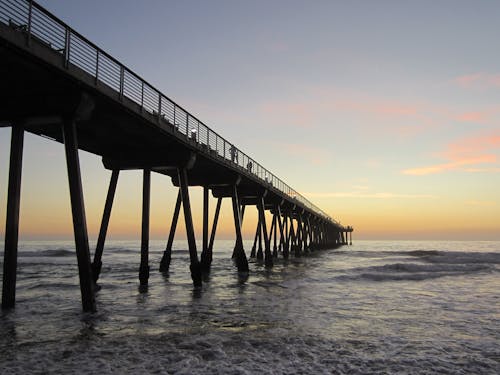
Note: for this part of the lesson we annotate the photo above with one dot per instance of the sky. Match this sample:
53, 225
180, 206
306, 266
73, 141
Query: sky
385, 114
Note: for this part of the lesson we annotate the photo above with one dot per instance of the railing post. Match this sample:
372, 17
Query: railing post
122, 83
67, 43
142, 95
30, 12
97, 66
159, 106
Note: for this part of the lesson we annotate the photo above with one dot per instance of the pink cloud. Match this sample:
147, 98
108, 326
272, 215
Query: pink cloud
316, 106
467, 80
277, 46
483, 170
299, 114
439, 168
309, 112
373, 106
481, 203
478, 80
470, 147
316, 156
357, 194
470, 152
395, 109
476, 117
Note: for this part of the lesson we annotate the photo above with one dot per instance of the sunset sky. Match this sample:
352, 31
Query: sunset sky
386, 114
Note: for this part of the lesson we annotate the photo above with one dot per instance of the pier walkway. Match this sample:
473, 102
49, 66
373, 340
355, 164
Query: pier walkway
57, 84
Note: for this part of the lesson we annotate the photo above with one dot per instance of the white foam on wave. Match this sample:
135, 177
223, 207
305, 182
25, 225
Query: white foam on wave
416, 272
61, 252
457, 257
274, 352
431, 264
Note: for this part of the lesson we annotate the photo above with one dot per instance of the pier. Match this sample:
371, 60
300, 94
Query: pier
59, 85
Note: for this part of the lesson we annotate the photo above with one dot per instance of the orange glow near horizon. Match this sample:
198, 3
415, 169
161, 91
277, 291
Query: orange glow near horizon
381, 214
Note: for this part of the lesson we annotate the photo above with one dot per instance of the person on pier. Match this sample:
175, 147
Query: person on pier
234, 154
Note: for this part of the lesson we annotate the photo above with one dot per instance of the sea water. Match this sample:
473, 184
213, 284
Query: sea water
371, 308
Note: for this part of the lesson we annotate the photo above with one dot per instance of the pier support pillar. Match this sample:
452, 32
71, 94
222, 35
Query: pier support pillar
298, 234
286, 245
309, 234
78, 213
12, 222
195, 266
214, 229
292, 238
256, 238
167, 254
260, 252
304, 235
280, 226
146, 192
242, 210
274, 231
262, 215
97, 263
205, 263
239, 252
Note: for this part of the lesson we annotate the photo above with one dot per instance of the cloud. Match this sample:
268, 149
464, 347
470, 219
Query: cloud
481, 203
478, 80
472, 146
438, 168
314, 155
277, 46
476, 117
361, 187
358, 194
470, 152
312, 106
374, 106
373, 163
298, 114
483, 170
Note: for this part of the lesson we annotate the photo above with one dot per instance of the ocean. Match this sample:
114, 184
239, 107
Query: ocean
376, 307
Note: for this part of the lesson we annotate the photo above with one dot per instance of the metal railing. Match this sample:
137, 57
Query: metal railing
40, 25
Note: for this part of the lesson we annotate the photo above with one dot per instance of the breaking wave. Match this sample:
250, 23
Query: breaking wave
47, 253
433, 264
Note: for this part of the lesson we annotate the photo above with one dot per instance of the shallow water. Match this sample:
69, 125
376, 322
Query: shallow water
375, 307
